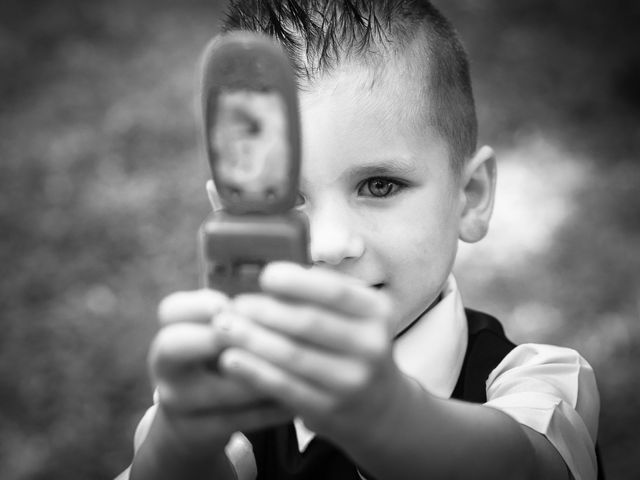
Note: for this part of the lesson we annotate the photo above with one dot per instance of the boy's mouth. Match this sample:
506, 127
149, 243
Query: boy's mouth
378, 286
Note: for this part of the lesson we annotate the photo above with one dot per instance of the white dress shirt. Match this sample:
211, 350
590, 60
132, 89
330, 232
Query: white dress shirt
547, 388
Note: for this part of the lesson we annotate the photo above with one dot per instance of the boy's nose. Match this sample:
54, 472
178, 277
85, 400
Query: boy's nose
332, 241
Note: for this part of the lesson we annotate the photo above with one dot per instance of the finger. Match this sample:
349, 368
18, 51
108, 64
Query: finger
287, 389
330, 289
179, 361
180, 348
196, 306
324, 368
316, 326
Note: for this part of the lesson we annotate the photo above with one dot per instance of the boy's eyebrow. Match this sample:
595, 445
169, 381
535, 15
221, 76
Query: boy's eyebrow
382, 167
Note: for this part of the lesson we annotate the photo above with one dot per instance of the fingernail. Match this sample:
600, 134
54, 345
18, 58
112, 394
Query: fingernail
223, 322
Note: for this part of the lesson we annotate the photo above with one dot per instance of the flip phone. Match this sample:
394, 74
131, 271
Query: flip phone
252, 136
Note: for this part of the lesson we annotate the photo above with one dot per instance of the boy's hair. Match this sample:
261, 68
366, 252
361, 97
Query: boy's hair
320, 34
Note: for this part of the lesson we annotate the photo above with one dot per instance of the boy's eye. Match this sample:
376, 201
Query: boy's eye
379, 187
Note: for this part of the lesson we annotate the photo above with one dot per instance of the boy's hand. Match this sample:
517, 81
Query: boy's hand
198, 408
319, 343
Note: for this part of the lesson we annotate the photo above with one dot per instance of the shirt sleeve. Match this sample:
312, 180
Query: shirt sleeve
553, 391
138, 437
240, 453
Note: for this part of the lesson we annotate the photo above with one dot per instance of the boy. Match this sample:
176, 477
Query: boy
366, 365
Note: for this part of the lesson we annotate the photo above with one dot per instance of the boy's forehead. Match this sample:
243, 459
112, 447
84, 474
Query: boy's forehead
393, 86
361, 115
380, 111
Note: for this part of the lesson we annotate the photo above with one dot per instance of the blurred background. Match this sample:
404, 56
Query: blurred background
101, 194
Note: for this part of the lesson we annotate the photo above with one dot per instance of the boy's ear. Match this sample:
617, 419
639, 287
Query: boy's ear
214, 198
478, 190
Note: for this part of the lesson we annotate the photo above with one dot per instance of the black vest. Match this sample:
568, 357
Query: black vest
276, 449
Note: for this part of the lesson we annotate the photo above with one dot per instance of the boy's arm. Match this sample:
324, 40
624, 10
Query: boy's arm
321, 345
185, 434
424, 435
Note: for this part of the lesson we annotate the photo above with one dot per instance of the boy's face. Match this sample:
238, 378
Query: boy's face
383, 203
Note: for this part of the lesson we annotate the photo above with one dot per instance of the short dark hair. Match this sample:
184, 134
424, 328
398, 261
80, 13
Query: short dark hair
319, 34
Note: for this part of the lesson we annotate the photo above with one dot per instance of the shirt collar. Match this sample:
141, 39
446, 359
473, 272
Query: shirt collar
431, 351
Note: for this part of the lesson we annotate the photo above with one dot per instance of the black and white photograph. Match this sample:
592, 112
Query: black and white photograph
319, 239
